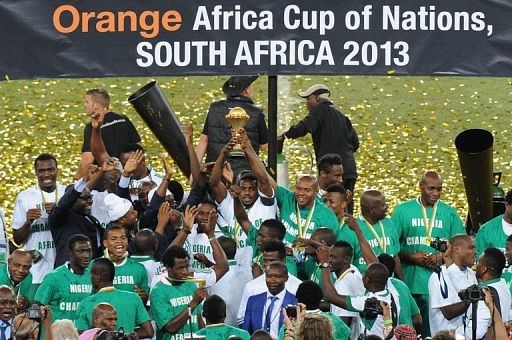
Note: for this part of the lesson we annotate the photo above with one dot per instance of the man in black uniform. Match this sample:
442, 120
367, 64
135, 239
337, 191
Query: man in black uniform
332, 131
117, 131
217, 131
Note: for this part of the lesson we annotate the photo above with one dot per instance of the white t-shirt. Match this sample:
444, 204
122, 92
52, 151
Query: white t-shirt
230, 288
200, 243
258, 213
258, 286
349, 283
153, 267
443, 291
4, 246
484, 317
377, 326
40, 237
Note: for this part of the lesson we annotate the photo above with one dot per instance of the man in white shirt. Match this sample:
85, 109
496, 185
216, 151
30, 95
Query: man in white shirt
446, 308
256, 195
348, 282
264, 310
488, 272
230, 287
4, 244
258, 285
30, 217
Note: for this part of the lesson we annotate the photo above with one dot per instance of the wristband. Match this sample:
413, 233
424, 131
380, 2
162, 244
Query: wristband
388, 322
186, 231
212, 238
324, 265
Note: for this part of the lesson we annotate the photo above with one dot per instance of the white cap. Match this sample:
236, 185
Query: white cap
319, 90
116, 206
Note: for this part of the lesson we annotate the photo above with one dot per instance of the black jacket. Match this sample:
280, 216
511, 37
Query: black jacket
65, 223
217, 128
332, 132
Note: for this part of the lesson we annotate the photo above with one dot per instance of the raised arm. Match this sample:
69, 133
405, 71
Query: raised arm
257, 166
221, 266
322, 254
366, 251
97, 146
218, 188
195, 165
188, 222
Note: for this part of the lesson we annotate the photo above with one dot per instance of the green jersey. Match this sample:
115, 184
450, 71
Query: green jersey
167, 301
309, 270
310, 219
130, 310
221, 331
340, 329
63, 290
24, 288
412, 231
381, 236
252, 234
408, 306
491, 234
130, 274
348, 235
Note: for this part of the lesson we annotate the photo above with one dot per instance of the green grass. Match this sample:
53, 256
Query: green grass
406, 124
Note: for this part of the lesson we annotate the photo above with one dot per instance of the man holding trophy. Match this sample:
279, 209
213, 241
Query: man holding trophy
217, 130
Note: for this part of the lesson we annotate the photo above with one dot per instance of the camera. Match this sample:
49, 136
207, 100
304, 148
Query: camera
34, 313
291, 311
372, 308
472, 294
439, 244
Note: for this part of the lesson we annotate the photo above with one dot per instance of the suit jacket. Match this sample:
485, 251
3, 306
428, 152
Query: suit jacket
254, 311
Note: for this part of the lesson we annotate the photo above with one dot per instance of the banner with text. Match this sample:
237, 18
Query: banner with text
99, 38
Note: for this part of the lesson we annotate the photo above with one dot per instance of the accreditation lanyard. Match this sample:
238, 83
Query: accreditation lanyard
303, 230
429, 225
43, 199
237, 226
380, 240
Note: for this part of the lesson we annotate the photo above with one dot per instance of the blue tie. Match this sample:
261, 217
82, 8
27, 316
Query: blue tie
268, 316
2, 330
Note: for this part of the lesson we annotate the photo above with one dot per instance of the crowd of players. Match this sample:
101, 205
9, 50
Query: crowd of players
124, 249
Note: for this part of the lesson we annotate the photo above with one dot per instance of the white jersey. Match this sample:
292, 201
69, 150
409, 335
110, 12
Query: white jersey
153, 267
152, 176
443, 289
349, 283
200, 243
40, 237
230, 288
4, 246
98, 208
257, 214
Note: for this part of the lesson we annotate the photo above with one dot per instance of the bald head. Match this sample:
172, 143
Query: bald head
431, 185
373, 206
145, 242
104, 316
461, 239
430, 174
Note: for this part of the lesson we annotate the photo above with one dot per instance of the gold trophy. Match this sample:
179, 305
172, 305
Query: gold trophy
237, 117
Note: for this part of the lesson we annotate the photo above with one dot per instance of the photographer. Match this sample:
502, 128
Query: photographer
369, 305
27, 325
446, 309
488, 273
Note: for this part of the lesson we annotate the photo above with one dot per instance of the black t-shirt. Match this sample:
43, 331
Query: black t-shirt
117, 131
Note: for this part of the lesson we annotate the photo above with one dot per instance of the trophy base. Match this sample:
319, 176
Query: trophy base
236, 153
